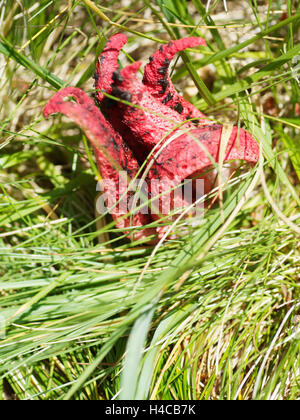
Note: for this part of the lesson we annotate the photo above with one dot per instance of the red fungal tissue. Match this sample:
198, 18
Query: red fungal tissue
150, 127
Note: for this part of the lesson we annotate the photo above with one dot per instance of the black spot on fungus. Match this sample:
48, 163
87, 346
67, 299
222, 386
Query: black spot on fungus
151, 59
155, 171
178, 108
117, 77
167, 98
164, 84
205, 136
162, 71
170, 44
122, 94
161, 49
164, 68
126, 96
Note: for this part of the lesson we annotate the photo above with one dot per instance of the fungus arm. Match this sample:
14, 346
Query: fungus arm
114, 158
158, 82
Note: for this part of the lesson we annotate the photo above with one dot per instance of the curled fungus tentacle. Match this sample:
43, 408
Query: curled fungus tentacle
114, 159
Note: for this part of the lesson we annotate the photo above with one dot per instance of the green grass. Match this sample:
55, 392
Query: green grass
213, 315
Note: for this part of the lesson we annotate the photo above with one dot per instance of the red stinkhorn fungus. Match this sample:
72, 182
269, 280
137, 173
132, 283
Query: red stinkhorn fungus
150, 112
